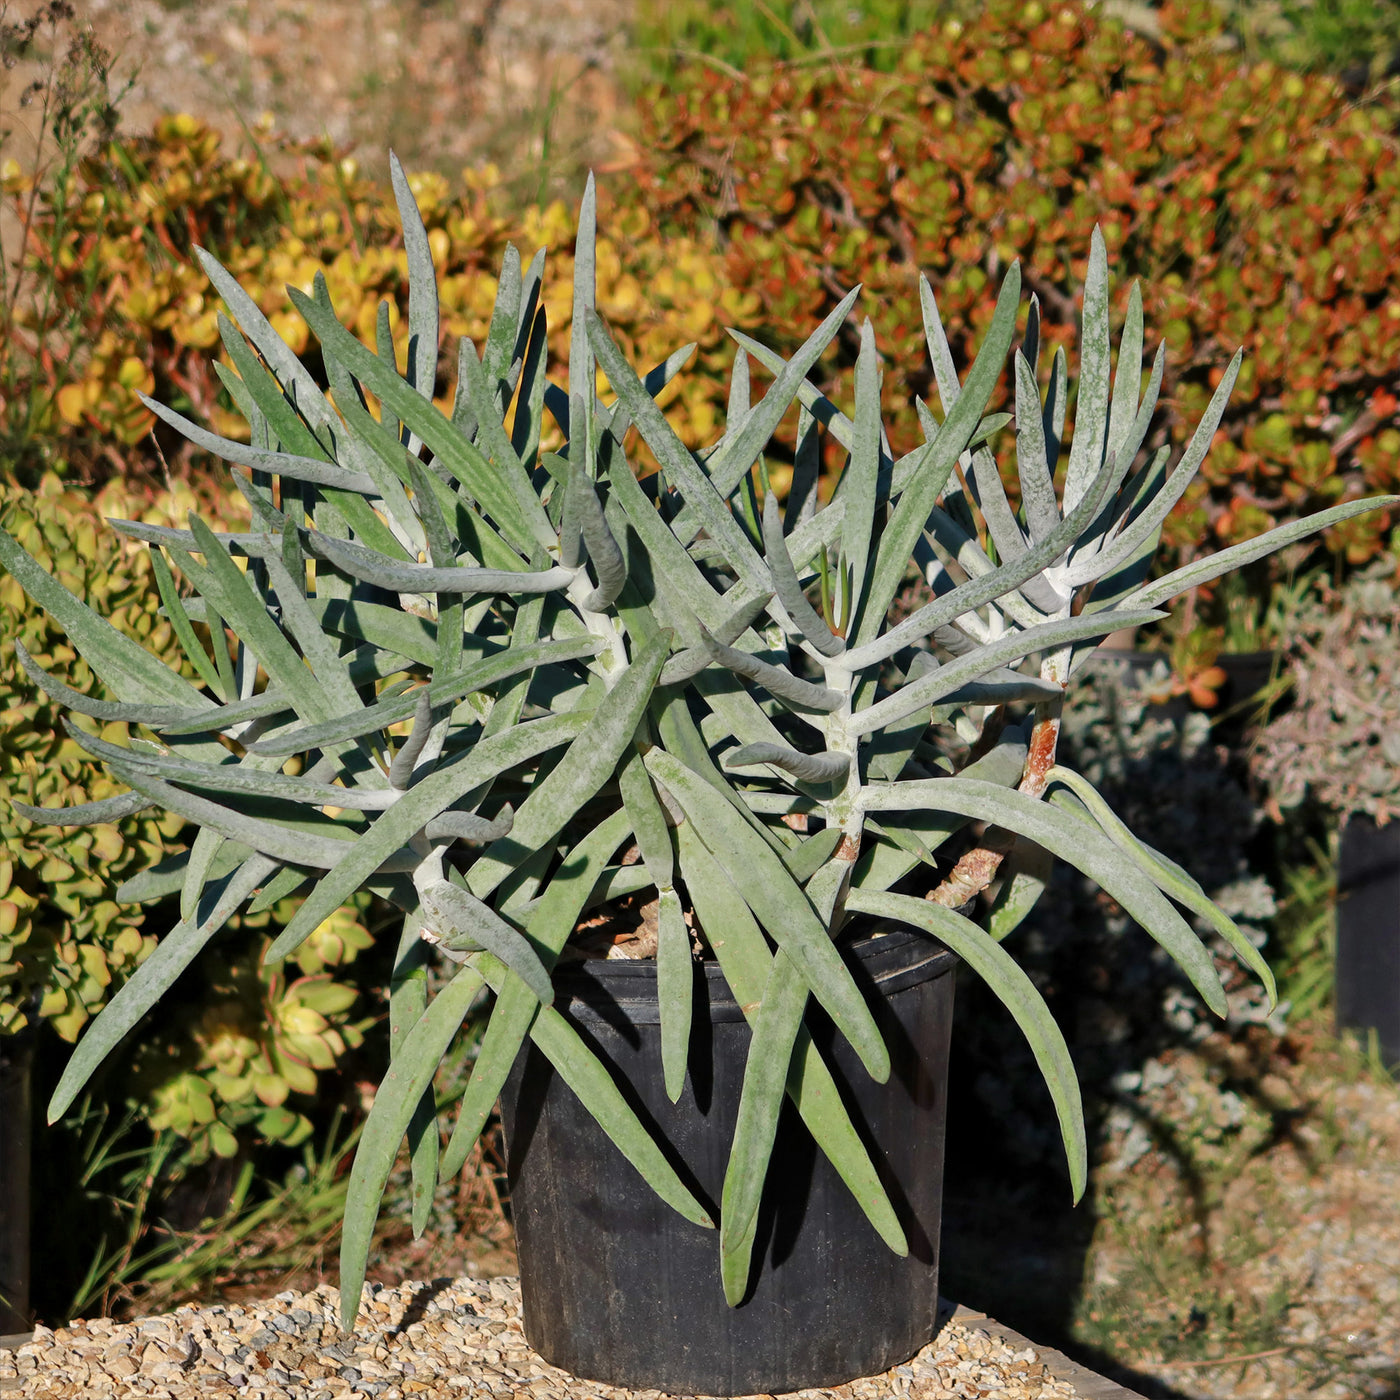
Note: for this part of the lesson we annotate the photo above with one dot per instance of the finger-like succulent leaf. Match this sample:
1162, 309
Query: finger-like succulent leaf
462, 921
105, 710
738, 943
132, 672
1169, 877
805, 767
401, 770
173, 954
1149, 522
414, 809
675, 990
395, 1103
1071, 840
776, 1029
730, 469
467, 826
372, 718
1016, 992
777, 680
588, 764
931, 470
947, 678
550, 924
109, 809
595, 1088
1237, 556
789, 590
1091, 411
373, 568
780, 905
711, 507
603, 551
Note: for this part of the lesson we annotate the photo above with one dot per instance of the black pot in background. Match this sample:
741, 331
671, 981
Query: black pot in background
617, 1287
16, 1147
1368, 932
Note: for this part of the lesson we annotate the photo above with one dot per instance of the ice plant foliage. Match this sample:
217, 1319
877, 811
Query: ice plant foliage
473, 677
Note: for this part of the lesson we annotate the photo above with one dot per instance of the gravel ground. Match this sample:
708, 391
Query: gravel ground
529, 84
460, 1338
1336, 1256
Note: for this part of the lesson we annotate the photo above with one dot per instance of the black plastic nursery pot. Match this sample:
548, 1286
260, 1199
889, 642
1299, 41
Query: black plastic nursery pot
618, 1288
16, 1120
1368, 933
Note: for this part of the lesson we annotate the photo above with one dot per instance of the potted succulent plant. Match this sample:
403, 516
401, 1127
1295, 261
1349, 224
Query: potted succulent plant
518, 691
1337, 745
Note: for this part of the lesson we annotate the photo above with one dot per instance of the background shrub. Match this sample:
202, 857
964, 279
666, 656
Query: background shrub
1258, 207
140, 206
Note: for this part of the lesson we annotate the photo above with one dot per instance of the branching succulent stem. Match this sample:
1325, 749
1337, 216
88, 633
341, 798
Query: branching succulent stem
845, 810
601, 625
976, 870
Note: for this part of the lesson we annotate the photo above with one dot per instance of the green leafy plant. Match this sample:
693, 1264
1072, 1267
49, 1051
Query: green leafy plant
472, 676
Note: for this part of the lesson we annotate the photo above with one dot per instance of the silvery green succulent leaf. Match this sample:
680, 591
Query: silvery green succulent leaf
109, 809
1237, 556
1169, 877
741, 454
711, 506
412, 812
805, 767
963, 411
778, 903
461, 921
310, 469
777, 680
373, 568
1017, 993
132, 672
1091, 413
550, 923
1072, 841
747, 964
467, 826
936, 684
394, 1106
105, 710
173, 954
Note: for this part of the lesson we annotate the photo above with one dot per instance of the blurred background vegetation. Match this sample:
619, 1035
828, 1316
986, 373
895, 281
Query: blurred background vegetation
757, 160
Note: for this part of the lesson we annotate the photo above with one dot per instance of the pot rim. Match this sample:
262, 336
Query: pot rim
881, 958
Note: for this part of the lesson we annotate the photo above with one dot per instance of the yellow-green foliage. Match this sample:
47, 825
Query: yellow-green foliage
249, 1037
63, 939
142, 206
252, 1037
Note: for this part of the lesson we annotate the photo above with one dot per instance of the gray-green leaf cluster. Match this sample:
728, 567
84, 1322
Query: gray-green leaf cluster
473, 662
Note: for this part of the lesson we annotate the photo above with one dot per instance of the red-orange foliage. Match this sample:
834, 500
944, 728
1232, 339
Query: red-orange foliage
1258, 207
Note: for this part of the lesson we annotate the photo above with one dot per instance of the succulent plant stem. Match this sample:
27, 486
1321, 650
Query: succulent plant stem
844, 810
976, 869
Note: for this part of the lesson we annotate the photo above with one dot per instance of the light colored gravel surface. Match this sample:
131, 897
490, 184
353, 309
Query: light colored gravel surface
455, 1339
1287, 1283
1336, 1256
444, 84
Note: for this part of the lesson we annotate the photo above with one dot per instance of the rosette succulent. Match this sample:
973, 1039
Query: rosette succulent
503, 684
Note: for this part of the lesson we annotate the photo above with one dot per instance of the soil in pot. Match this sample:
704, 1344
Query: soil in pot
619, 1288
